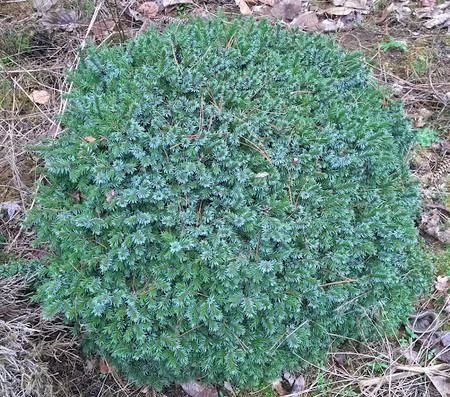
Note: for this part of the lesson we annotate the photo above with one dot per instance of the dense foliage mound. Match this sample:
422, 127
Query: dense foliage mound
226, 197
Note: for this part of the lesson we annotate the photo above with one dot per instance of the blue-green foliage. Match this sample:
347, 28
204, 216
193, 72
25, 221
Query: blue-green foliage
246, 197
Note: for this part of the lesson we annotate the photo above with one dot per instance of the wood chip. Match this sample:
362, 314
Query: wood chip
149, 9
243, 7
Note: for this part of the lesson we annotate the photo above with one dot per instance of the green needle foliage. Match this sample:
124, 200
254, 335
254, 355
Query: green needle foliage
226, 198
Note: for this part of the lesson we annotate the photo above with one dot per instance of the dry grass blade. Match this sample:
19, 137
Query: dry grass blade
28, 344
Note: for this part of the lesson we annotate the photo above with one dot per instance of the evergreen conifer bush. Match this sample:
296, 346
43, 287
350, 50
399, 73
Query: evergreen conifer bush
226, 197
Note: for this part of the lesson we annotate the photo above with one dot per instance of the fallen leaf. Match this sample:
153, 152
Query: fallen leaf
445, 338
357, 4
441, 382
410, 355
443, 283
298, 386
425, 113
430, 225
89, 139
40, 96
440, 207
105, 368
401, 11
337, 11
340, 358
443, 19
263, 10
308, 21
90, 365
287, 10
43, 6
11, 207
328, 25
228, 386
297, 383
270, 3
149, 9
423, 322
195, 389
261, 174
62, 19
243, 7
278, 387
103, 27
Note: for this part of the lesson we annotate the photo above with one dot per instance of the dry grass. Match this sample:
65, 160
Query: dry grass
28, 344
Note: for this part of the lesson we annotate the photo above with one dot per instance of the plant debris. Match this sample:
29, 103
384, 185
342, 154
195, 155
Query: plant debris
195, 389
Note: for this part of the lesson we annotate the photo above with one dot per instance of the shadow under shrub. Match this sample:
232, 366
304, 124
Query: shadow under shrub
227, 197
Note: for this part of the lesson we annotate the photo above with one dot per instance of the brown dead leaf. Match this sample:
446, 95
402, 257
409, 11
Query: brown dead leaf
270, 3
62, 19
279, 388
105, 368
287, 10
308, 21
89, 139
337, 11
103, 27
431, 225
243, 7
443, 283
195, 389
40, 96
149, 9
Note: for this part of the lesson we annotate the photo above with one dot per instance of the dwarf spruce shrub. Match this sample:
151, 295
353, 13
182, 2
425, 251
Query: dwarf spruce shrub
225, 199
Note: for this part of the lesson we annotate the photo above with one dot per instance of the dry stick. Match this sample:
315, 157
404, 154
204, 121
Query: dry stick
28, 71
293, 332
